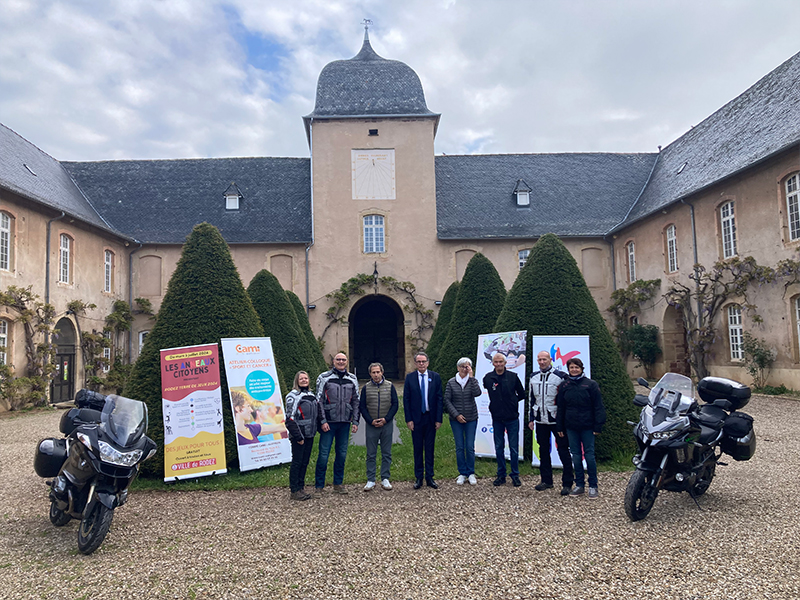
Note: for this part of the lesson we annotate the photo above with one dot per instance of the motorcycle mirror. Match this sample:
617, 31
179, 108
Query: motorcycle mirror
643, 382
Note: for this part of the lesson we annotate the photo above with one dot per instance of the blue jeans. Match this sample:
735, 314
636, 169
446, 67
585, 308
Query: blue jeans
340, 432
464, 434
585, 438
500, 428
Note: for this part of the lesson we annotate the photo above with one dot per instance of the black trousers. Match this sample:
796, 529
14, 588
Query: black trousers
562, 447
301, 454
424, 438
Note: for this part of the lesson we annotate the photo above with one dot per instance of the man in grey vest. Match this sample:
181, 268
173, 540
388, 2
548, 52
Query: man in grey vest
378, 405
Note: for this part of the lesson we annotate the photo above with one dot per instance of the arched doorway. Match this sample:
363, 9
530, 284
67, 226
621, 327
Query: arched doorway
63, 386
676, 350
376, 335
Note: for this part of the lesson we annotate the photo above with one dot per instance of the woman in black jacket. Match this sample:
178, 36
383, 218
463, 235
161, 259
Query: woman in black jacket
459, 401
580, 416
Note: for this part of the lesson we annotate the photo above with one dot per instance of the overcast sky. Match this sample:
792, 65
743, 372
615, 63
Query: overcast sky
114, 79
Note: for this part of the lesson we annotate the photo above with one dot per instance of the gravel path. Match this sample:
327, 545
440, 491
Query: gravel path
480, 542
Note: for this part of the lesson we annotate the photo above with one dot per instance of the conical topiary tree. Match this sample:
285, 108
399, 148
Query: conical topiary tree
550, 297
314, 349
205, 302
280, 324
479, 302
443, 322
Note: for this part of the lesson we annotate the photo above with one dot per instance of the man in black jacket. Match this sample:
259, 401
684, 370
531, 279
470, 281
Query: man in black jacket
505, 391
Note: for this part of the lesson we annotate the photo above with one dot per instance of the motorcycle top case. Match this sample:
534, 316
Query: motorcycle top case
50, 455
739, 439
719, 388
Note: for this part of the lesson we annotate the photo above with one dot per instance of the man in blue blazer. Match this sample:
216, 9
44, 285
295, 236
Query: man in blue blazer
422, 402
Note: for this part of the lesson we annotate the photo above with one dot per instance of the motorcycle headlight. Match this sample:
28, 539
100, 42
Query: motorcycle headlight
113, 456
662, 435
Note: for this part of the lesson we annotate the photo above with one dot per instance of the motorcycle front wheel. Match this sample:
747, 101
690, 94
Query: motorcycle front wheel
94, 528
57, 516
640, 495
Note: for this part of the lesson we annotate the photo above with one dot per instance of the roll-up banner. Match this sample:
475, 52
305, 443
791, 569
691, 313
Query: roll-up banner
560, 348
512, 345
191, 402
257, 403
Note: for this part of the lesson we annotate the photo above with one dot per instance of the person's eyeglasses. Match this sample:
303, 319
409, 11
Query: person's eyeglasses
420, 362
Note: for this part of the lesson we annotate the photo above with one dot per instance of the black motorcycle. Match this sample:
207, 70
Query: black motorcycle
95, 463
681, 442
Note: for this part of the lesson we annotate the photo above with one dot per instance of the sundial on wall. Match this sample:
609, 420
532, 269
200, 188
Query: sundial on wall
373, 174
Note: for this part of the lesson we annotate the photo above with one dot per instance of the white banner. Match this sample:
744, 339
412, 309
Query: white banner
257, 403
561, 348
512, 345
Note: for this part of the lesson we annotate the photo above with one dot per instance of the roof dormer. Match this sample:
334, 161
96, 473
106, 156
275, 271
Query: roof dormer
232, 197
522, 193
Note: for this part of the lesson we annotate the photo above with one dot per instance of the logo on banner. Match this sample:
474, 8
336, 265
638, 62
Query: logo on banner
555, 354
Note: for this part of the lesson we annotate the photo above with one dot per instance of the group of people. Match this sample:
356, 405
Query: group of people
566, 405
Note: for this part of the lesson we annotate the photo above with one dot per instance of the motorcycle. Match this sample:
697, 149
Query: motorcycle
681, 442
95, 463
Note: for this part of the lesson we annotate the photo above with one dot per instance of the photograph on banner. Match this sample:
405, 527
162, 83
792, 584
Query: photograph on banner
257, 403
191, 403
510, 344
560, 348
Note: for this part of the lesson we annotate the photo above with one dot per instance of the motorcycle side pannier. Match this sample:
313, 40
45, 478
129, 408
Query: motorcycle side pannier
50, 455
719, 388
739, 437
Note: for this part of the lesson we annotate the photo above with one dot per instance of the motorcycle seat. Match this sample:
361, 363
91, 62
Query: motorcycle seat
711, 416
708, 434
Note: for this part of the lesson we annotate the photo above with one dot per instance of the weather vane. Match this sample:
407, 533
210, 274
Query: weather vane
366, 23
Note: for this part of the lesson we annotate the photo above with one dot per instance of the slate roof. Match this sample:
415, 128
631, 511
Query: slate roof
759, 123
572, 195
368, 84
160, 201
44, 180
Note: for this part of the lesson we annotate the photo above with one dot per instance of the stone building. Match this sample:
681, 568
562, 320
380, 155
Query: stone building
372, 198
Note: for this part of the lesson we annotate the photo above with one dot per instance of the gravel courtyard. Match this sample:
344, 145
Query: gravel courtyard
454, 542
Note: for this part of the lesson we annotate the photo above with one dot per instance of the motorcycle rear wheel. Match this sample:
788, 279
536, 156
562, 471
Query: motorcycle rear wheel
640, 495
93, 528
57, 516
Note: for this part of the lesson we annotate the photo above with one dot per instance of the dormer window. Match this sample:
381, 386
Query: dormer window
522, 193
232, 197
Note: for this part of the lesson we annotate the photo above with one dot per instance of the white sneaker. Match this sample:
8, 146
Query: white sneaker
461, 479
370, 486
386, 485
473, 480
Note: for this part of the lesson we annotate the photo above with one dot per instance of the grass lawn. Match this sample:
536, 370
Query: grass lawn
355, 469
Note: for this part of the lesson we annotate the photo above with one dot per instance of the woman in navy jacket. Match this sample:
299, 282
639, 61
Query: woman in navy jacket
580, 416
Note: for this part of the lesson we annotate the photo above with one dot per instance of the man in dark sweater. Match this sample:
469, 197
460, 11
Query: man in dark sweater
505, 391
378, 405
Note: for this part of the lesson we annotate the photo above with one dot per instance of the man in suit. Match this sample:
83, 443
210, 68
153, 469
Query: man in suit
423, 405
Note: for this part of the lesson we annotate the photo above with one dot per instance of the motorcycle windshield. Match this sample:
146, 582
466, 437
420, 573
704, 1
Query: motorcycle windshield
124, 419
671, 382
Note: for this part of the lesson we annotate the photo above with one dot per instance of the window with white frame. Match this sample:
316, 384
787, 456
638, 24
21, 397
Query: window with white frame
3, 341
142, 338
631, 249
793, 207
728, 226
65, 256
374, 234
735, 331
107, 353
672, 249
523, 257
5, 242
109, 271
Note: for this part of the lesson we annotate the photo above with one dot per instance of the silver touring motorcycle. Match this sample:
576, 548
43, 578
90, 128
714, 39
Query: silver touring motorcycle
95, 463
681, 442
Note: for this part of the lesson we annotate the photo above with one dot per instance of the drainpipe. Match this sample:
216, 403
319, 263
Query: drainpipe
613, 264
47, 259
308, 246
130, 294
696, 260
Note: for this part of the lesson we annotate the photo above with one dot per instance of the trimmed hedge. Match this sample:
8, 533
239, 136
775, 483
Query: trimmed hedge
205, 301
480, 299
442, 327
550, 297
314, 349
280, 324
